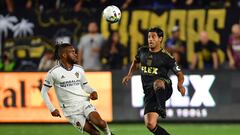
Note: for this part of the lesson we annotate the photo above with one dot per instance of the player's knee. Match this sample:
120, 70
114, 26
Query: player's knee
150, 125
158, 85
78, 124
101, 124
91, 130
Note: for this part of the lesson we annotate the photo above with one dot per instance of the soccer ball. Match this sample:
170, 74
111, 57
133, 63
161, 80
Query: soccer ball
112, 14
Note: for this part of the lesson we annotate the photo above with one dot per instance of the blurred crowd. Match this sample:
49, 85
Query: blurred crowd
205, 51
95, 53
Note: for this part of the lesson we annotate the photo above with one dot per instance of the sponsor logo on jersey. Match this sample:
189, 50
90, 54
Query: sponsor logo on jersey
70, 83
149, 70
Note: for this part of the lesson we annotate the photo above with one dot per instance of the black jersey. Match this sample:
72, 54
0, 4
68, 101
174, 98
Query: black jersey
155, 65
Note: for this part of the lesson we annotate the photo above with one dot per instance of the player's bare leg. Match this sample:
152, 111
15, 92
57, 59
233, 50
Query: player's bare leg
150, 120
89, 128
159, 88
96, 119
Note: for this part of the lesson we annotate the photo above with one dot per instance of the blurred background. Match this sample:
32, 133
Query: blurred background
202, 35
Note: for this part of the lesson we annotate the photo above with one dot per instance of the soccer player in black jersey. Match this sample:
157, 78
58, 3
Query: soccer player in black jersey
155, 63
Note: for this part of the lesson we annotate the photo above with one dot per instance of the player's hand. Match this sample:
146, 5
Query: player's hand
93, 96
56, 113
181, 89
126, 79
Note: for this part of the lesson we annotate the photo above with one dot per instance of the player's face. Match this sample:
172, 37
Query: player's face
153, 40
71, 55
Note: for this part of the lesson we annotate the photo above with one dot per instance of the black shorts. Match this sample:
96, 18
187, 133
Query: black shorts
150, 101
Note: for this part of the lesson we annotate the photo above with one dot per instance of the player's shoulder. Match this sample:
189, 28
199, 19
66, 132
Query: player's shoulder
166, 53
143, 48
79, 67
54, 68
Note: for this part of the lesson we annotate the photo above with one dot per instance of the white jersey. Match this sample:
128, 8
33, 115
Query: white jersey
71, 88
69, 85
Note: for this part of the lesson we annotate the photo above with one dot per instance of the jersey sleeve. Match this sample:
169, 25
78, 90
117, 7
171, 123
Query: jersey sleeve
85, 86
137, 57
46, 99
172, 64
48, 80
83, 77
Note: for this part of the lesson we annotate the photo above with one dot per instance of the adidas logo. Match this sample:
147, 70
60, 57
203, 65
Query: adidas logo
62, 77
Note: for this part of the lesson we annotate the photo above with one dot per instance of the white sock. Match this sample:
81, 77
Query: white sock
107, 130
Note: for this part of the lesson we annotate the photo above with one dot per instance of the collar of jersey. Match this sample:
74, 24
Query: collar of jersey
64, 66
156, 52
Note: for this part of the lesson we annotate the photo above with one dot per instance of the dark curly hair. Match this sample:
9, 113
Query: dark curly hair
58, 50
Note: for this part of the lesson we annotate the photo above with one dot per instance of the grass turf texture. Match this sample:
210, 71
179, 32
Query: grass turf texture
121, 129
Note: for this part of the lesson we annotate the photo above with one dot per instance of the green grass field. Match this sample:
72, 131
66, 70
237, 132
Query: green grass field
121, 129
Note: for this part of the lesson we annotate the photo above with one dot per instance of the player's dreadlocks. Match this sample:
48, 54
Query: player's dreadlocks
157, 30
58, 50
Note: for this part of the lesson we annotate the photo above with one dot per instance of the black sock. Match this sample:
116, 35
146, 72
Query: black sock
159, 131
160, 97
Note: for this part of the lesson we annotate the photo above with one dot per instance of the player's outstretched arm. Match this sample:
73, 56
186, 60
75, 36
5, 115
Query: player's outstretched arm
180, 87
93, 93
87, 88
132, 69
44, 92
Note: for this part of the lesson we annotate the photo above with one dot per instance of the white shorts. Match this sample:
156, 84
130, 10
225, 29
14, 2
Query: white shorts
79, 113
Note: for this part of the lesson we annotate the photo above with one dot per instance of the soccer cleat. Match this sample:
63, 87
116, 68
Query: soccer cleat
161, 112
112, 133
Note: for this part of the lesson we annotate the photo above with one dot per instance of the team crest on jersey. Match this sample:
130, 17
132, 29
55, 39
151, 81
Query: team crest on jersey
77, 74
149, 60
62, 77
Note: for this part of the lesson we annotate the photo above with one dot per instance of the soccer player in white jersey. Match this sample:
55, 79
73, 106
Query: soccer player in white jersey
71, 87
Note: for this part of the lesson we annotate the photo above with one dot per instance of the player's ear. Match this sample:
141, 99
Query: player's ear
64, 55
160, 39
